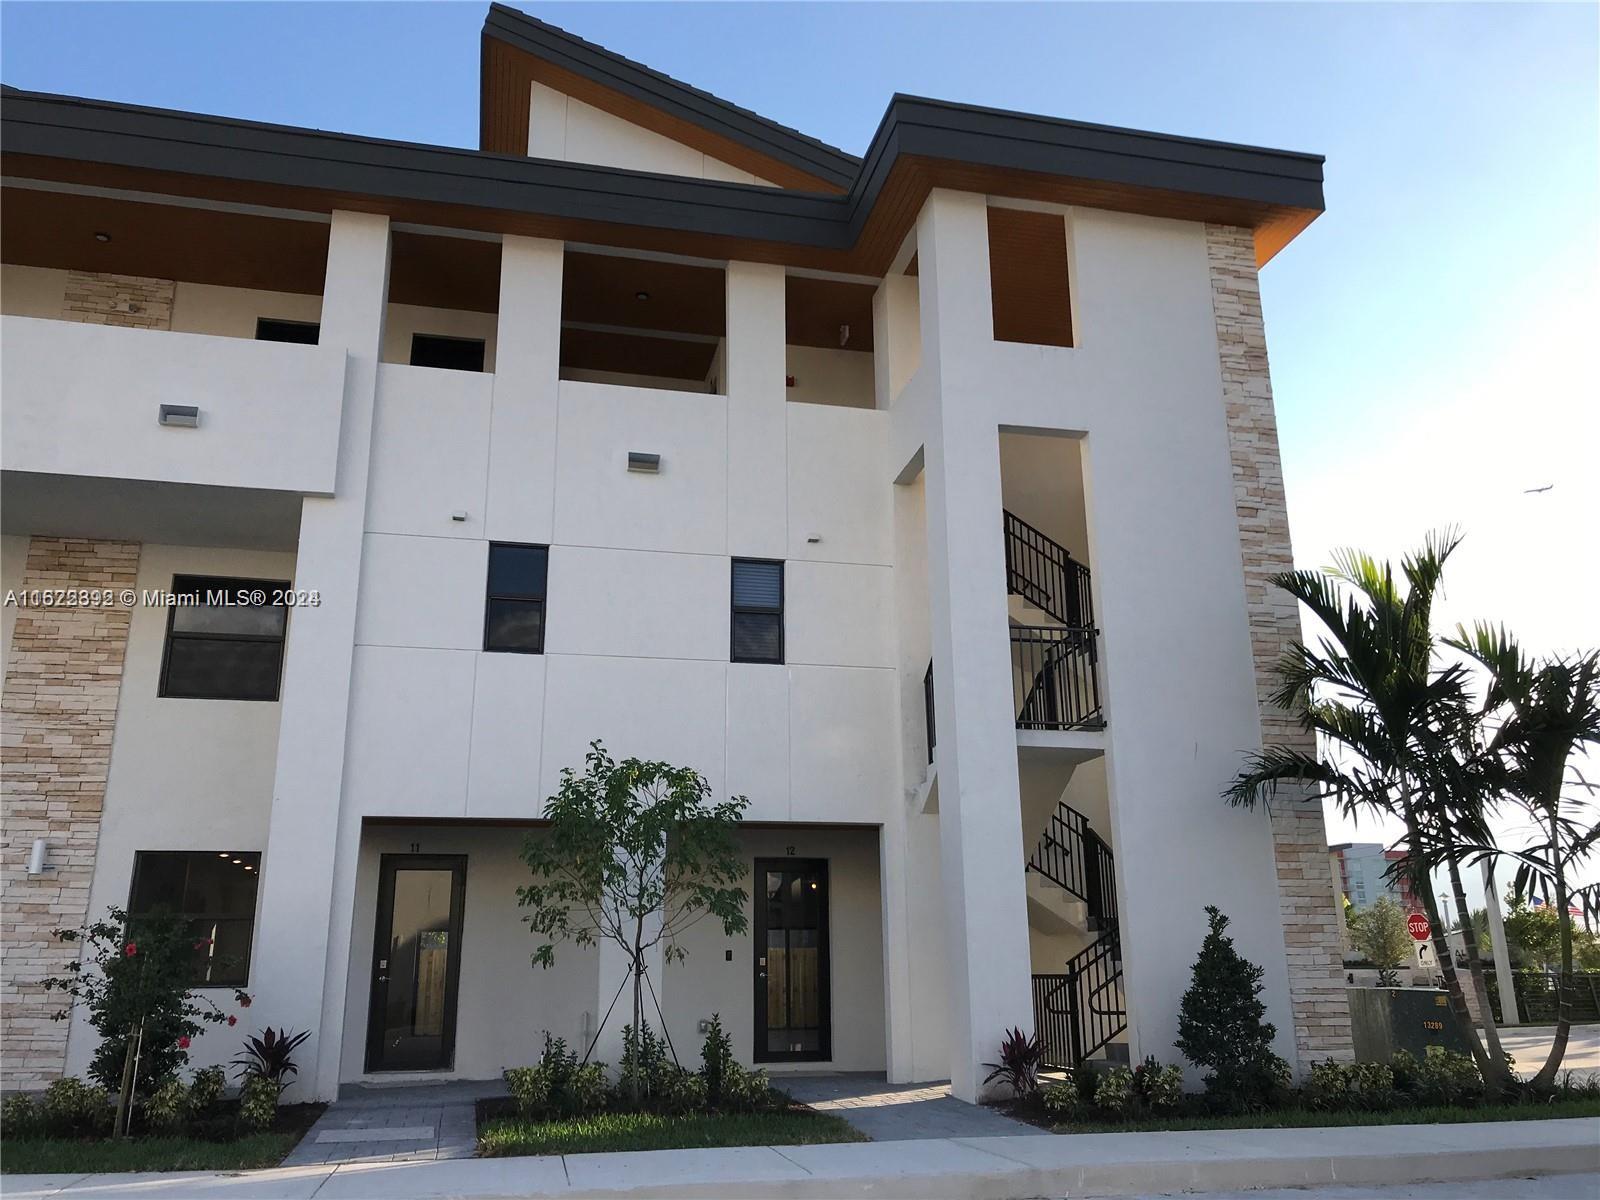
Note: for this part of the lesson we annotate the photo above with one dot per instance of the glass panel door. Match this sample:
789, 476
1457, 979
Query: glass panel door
416, 963
792, 1018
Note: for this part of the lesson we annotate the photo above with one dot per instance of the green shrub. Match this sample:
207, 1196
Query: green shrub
682, 1092
1222, 1026
1327, 1087
166, 1110
556, 1086
1061, 1100
1449, 1078
645, 1067
258, 1103
1372, 1086
1115, 1095
205, 1092
1407, 1072
716, 1060
530, 1090
1159, 1089
587, 1089
20, 1117
752, 1091
72, 1108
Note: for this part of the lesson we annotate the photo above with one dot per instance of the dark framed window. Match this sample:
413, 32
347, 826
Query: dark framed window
513, 617
215, 890
302, 333
224, 639
757, 625
451, 353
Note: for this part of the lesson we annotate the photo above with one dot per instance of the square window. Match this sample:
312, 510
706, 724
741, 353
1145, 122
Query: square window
216, 892
224, 640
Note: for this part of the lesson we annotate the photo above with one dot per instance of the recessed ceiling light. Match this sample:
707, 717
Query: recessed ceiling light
102, 237
641, 295
237, 861
224, 854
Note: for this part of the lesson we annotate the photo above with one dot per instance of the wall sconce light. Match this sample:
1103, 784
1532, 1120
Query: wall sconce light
460, 514
648, 464
813, 538
38, 862
180, 416
102, 236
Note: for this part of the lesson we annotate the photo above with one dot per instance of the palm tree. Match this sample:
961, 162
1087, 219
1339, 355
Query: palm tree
1372, 692
1551, 713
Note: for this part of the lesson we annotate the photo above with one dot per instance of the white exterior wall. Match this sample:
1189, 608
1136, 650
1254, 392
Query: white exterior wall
220, 798
1143, 388
888, 520
32, 291
843, 377
567, 129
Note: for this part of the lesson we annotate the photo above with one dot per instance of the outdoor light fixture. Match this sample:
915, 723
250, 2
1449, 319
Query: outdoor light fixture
641, 295
180, 416
460, 514
102, 237
36, 860
648, 464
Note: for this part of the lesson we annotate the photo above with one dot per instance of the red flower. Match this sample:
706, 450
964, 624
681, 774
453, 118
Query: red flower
130, 949
233, 1020
183, 1042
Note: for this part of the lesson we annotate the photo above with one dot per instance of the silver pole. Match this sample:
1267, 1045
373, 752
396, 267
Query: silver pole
1509, 1014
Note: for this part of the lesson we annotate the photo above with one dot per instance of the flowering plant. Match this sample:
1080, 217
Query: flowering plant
137, 992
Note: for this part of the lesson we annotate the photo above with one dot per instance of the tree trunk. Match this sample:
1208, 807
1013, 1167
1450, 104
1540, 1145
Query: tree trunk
1546, 1077
638, 1015
1423, 887
1501, 1080
125, 1090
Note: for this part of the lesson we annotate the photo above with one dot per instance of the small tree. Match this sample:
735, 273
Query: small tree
1222, 1022
135, 980
1380, 936
635, 854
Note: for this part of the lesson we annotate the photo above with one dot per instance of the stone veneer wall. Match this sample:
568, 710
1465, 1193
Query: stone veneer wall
1299, 835
99, 299
63, 676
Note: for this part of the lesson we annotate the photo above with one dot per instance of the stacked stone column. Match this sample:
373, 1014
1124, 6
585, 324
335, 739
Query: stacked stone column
63, 677
1300, 841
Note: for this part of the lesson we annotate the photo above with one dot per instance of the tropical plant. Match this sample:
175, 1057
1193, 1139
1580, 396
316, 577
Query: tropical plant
1115, 1094
135, 980
270, 1056
72, 1108
635, 853
1222, 1023
1380, 936
1021, 1057
1549, 714
1159, 1088
258, 1103
1390, 721
20, 1117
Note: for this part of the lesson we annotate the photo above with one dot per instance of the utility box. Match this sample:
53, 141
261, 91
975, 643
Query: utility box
1383, 1020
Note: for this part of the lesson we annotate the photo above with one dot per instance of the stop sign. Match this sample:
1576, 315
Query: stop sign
1417, 926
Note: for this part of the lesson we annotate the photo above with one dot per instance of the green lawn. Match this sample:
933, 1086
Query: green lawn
1299, 1118
508, 1135
71, 1156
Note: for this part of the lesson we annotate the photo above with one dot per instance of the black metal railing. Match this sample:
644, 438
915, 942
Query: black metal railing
1043, 572
1082, 1009
1539, 995
927, 709
1072, 856
1056, 684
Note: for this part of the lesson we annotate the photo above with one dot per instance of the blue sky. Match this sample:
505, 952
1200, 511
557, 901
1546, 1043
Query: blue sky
1432, 335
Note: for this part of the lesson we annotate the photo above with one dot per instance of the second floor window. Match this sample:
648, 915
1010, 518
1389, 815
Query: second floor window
513, 619
224, 640
757, 624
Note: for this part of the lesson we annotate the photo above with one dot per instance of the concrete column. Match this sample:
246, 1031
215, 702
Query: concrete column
980, 821
754, 367
303, 931
896, 337
522, 426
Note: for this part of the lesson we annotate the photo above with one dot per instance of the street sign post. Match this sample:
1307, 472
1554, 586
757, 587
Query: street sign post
1417, 926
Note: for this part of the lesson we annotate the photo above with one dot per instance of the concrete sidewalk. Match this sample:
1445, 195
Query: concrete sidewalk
997, 1168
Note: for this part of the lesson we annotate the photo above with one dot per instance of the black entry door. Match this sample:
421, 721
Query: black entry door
791, 961
416, 963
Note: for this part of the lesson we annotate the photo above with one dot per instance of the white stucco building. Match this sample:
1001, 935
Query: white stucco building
925, 498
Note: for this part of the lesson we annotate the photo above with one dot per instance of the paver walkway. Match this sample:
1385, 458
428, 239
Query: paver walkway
396, 1123
900, 1112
